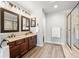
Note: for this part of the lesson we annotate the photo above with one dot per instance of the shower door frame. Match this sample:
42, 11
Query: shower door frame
69, 31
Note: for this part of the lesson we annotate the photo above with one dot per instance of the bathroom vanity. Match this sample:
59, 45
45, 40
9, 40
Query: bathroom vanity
19, 46
9, 23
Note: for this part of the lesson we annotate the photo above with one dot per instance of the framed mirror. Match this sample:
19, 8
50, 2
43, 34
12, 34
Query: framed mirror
25, 23
9, 21
33, 22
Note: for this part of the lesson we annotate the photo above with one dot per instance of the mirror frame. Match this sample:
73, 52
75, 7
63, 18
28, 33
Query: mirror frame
2, 21
33, 20
26, 22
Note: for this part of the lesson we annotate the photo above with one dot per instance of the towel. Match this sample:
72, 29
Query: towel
56, 32
4, 52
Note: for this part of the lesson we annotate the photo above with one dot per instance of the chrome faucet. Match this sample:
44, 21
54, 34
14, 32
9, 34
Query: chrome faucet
12, 35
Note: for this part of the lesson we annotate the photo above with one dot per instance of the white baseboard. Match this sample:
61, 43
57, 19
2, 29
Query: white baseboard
40, 45
54, 42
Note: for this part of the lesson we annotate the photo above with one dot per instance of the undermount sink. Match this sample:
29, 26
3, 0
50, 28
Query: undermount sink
28, 33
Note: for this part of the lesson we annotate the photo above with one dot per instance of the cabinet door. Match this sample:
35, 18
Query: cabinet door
14, 52
23, 48
32, 42
27, 43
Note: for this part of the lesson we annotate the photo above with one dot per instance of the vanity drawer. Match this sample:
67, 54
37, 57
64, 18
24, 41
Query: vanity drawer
20, 41
11, 44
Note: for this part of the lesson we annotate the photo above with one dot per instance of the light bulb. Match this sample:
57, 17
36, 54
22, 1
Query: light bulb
55, 6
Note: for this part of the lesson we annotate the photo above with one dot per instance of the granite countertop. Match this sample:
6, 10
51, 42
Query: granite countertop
20, 37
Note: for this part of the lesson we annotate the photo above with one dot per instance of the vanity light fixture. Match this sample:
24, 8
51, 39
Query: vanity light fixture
55, 6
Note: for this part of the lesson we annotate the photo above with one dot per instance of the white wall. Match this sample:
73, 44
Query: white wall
56, 20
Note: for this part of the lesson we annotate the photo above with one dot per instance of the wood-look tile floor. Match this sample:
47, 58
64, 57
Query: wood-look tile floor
47, 51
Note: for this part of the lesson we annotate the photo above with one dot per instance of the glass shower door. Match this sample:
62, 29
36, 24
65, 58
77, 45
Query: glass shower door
75, 27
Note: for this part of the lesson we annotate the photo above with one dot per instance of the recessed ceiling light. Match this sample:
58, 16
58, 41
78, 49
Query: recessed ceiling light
55, 6
51, 1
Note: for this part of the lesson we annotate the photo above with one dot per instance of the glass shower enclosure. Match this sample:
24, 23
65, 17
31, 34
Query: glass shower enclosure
73, 27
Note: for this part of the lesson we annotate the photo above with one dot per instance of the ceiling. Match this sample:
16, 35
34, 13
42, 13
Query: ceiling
48, 6
62, 5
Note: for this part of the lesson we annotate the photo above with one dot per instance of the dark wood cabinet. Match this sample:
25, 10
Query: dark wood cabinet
32, 42
11, 44
20, 47
14, 52
19, 41
23, 48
